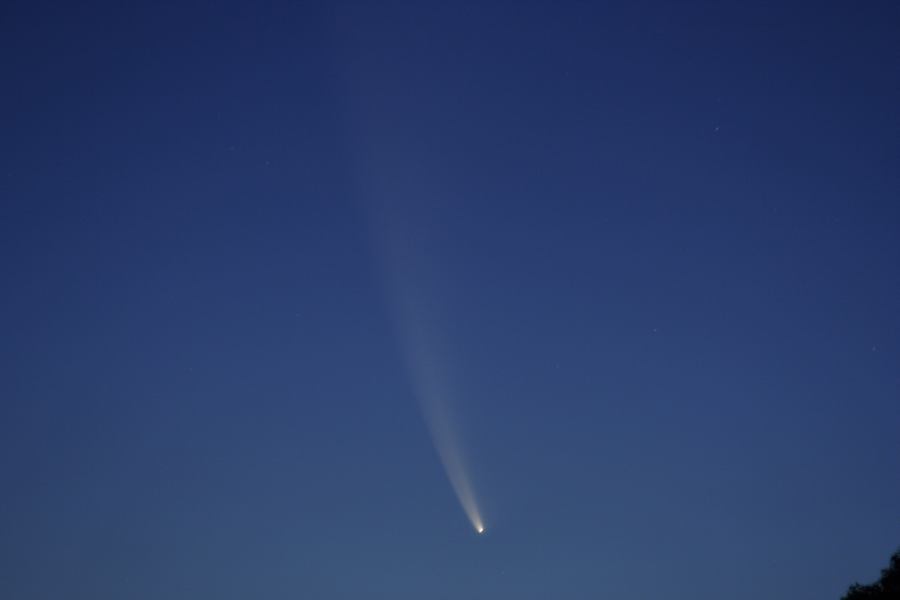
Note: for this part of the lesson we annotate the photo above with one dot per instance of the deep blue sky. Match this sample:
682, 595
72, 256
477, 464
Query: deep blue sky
661, 242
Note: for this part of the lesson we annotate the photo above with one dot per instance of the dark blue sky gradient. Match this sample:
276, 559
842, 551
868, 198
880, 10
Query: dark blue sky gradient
662, 245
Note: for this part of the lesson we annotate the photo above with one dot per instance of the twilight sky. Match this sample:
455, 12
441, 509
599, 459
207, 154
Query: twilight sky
633, 266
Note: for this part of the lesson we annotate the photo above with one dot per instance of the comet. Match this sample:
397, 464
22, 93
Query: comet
412, 286
430, 387
407, 239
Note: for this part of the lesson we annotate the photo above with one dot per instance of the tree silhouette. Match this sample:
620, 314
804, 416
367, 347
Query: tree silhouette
886, 588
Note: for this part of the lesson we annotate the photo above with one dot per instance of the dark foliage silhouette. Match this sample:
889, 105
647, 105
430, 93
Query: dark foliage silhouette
886, 588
